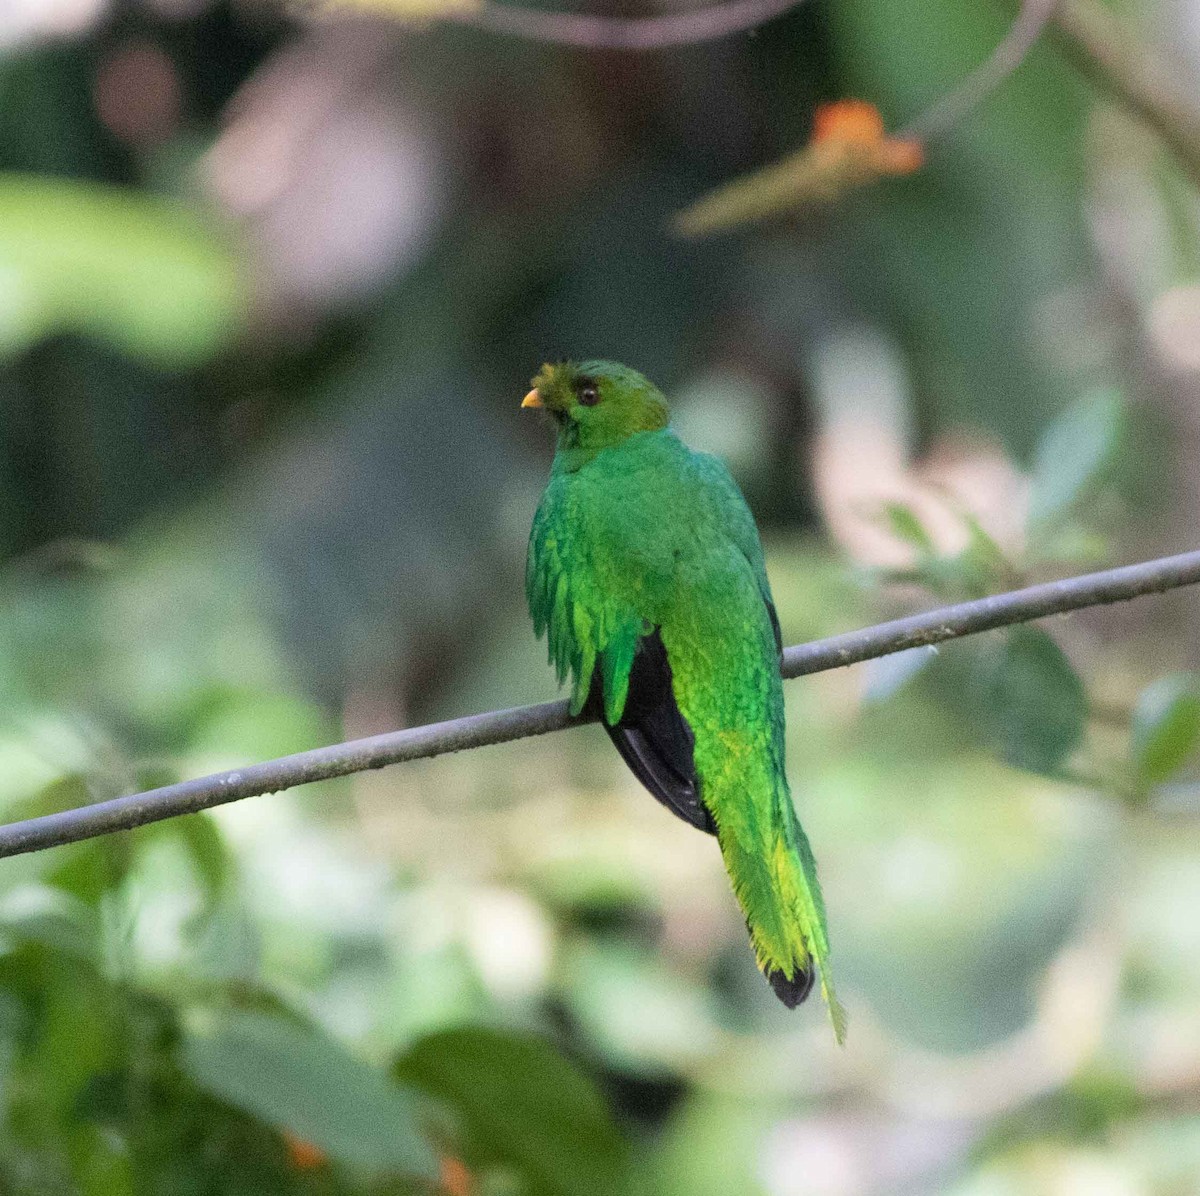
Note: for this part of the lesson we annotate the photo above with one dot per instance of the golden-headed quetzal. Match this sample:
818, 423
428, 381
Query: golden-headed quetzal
646, 572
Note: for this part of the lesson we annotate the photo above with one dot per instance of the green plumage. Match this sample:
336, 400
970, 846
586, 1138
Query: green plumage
635, 533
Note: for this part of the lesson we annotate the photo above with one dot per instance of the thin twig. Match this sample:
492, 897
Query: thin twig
622, 33
1111, 54
501, 726
948, 111
810, 176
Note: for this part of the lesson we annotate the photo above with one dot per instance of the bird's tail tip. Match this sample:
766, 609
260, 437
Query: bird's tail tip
794, 990
837, 1014
791, 990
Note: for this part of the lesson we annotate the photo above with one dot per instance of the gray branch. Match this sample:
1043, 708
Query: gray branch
622, 33
501, 726
947, 112
1110, 50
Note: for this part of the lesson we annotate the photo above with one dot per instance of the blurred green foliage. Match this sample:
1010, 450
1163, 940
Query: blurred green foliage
1166, 726
119, 266
269, 292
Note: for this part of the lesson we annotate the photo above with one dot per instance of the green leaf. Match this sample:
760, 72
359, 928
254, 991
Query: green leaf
982, 564
1166, 726
51, 918
200, 840
887, 675
1073, 452
102, 1163
522, 1106
980, 568
904, 523
199, 834
1033, 700
712, 1145
140, 272
641, 1016
295, 1078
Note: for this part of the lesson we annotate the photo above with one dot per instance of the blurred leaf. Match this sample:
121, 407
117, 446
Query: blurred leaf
52, 918
904, 523
1165, 726
228, 946
712, 1146
1073, 452
250, 725
1034, 701
848, 149
951, 244
77, 1033
957, 881
978, 569
206, 849
1066, 544
888, 674
104, 1166
982, 565
200, 840
142, 273
300, 1081
642, 1015
90, 870
28, 771
523, 1106
1086, 1109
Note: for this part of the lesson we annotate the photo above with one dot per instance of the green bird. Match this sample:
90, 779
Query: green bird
646, 572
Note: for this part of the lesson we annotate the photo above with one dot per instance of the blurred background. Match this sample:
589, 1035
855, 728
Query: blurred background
272, 283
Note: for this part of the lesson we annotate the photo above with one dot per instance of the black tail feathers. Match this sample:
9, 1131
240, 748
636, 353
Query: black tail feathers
792, 992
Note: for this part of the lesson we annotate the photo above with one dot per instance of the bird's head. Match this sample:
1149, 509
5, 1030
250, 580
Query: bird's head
597, 404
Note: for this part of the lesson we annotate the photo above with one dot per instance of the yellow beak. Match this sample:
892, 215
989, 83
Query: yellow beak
532, 399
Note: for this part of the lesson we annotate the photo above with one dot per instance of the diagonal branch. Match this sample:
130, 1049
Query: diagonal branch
1108, 50
621, 33
813, 174
1021, 37
501, 726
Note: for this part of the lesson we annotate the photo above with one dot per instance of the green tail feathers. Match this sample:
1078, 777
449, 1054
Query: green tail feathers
775, 880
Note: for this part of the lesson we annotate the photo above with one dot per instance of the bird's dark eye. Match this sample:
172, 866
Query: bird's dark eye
589, 396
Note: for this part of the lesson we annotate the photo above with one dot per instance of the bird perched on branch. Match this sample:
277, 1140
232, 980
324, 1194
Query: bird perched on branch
646, 573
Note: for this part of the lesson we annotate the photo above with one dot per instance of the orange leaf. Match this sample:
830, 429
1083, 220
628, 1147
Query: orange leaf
847, 120
857, 127
302, 1155
456, 1179
848, 149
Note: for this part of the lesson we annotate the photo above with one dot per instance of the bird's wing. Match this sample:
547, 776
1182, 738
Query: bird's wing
586, 622
654, 738
617, 661
651, 732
